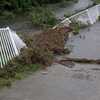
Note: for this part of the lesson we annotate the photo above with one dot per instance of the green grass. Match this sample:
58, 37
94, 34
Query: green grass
97, 1
44, 17
7, 76
5, 82
99, 18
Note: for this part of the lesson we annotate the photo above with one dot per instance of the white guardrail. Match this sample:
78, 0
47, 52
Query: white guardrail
8, 47
89, 15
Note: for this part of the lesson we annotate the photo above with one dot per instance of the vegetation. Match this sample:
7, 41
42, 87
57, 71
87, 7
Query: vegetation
76, 26
96, 1
68, 15
11, 10
43, 17
23, 5
50, 41
16, 70
30, 60
38, 55
99, 18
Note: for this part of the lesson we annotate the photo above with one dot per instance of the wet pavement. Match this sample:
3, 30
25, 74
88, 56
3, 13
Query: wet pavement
58, 83
87, 43
76, 7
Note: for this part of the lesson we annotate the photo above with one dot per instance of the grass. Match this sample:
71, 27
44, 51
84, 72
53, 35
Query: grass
5, 82
76, 26
68, 15
7, 76
99, 18
97, 1
43, 17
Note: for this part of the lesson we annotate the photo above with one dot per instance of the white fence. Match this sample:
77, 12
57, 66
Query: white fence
88, 16
8, 48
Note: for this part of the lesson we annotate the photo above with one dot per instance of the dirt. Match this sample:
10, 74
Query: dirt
52, 39
68, 64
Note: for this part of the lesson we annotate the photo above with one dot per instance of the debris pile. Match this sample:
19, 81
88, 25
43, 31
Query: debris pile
43, 46
80, 60
53, 39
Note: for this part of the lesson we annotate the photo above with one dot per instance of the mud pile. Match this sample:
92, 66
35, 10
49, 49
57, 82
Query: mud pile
43, 46
53, 39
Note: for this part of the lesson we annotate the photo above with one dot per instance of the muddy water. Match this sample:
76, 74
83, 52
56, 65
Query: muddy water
87, 43
82, 4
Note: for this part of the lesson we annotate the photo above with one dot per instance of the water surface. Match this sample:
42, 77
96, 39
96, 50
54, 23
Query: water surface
87, 43
81, 4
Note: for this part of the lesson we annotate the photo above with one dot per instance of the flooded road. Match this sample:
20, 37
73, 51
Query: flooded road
87, 43
72, 8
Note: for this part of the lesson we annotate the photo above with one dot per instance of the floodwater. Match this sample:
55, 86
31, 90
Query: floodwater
87, 43
72, 8
24, 26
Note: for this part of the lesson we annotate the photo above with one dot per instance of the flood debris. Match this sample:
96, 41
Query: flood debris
68, 64
52, 39
42, 47
44, 72
81, 60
